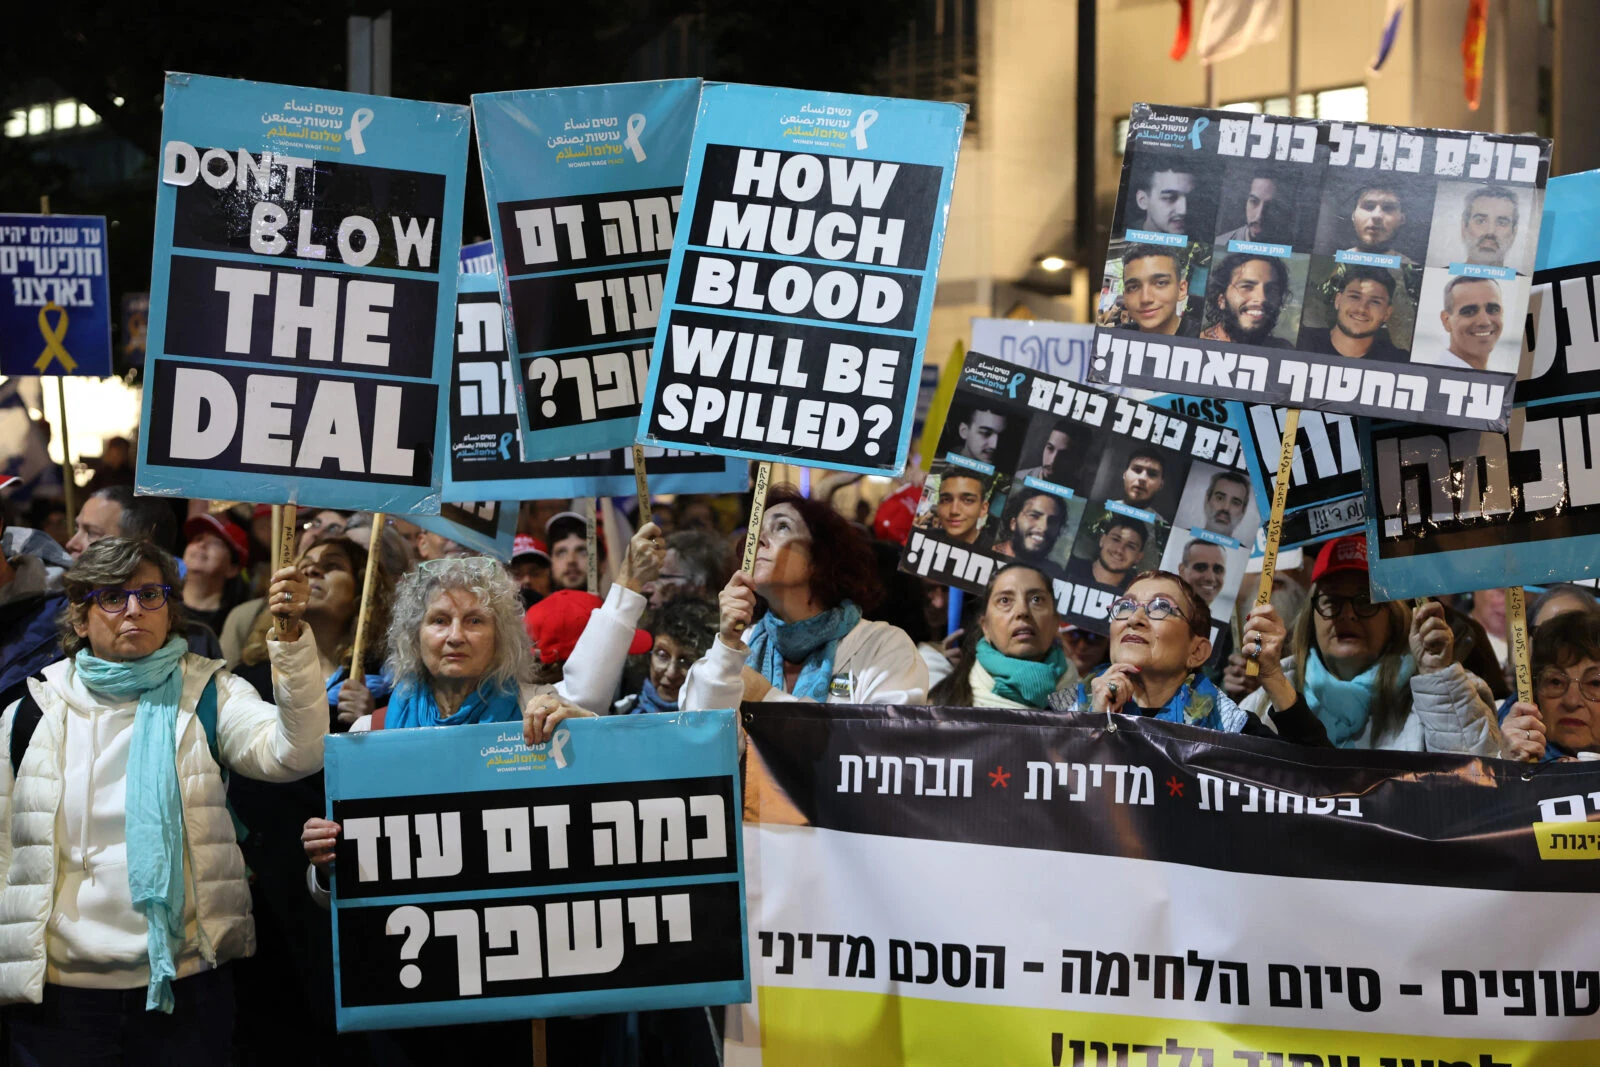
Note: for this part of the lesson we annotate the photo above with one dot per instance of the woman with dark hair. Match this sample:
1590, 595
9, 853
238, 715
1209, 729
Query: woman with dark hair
123, 886
681, 632
815, 574
1012, 658
1564, 723
1160, 638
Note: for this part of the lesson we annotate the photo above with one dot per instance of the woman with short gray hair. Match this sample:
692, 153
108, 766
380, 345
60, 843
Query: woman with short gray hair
121, 870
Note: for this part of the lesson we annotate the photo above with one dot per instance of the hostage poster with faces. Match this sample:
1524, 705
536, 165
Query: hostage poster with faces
1089, 487
1359, 269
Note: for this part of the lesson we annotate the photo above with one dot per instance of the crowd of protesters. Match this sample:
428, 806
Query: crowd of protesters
161, 627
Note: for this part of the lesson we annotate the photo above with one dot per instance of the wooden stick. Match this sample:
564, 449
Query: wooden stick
358, 649
594, 557
541, 1053
758, 511
641, 485
69, 484
1280, 496
1517, 620
286, 522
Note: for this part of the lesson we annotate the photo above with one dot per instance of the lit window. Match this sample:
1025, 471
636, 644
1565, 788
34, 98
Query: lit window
66, 114
17, 124
87, 116
1249, 107
1345, 105
39, 119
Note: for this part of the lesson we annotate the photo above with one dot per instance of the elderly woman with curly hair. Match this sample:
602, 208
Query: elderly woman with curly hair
124, 889
815, 575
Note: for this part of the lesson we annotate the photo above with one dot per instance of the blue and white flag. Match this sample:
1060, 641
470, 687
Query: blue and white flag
584, 187
479, 879
1386, 35
302, 296
796, 310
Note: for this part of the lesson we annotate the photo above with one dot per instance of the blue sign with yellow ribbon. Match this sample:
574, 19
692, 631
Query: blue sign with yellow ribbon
55, 296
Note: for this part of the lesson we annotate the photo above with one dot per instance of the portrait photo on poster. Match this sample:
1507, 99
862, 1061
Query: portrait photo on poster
1296, 248
1089, 487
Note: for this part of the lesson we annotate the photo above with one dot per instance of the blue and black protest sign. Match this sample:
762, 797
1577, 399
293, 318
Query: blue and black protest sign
477, 878
1325, 498
1454, 511
55, 296
302, 296
484, 459
797, 305
485, 526
584, 186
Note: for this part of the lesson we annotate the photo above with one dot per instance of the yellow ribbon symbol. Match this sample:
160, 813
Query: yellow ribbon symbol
52, 340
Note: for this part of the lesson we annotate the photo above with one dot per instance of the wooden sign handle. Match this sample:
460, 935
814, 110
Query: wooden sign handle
1280, 496
359, 648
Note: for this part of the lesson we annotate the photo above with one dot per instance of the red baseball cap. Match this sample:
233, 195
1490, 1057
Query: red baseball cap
1341, 554
892, 522
555, 622
232, 534
524, 546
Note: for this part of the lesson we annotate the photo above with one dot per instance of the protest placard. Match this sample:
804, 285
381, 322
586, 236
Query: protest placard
1325, 498
797, 304
303, 295
478, 258
483, 458
1059, 348
1089, 487
584, 187
485, 526
1368, 270
55, 296
907, 868
1455, 511
477, 878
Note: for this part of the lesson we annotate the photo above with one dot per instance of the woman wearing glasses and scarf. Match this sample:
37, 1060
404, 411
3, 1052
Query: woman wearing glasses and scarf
124, 888
1564, 724
816, 575
1160, 637
1379, 675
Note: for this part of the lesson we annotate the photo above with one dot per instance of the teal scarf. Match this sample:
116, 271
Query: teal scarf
154, 825
812, 643
1198, 702
1027, 681
413, 705
1345, 707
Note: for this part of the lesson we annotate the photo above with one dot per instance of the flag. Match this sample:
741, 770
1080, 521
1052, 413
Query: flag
1180, 39
1231, 26
1472, 42
1386, 35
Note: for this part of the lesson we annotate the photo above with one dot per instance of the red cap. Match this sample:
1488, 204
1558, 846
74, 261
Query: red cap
7, 481
231, 533
892, 522
526, 545
1341, 554
555, 622
261, 511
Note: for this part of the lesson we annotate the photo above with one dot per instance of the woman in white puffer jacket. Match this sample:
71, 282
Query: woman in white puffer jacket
124, 888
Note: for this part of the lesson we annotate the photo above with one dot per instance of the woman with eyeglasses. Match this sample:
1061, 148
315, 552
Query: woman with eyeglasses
1564, 721
683, 629
815, 574
1160, 638
1378, 675
1012, 658
123, 883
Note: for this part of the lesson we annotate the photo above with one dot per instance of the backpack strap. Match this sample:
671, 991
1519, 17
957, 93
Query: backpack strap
23, 724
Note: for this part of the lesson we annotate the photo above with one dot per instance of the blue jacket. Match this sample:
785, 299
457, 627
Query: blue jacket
29, 641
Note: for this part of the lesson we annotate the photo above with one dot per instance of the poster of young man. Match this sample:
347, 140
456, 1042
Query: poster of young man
1450, 511
303, 296
1276, 252
797, 306
55, 296
1089, 487
484, 461
584, 187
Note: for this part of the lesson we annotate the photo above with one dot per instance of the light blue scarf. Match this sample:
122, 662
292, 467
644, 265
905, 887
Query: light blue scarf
154, 821
650, 702
1344, 707
1198, 702
1027, 681
414, 705
812, 643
